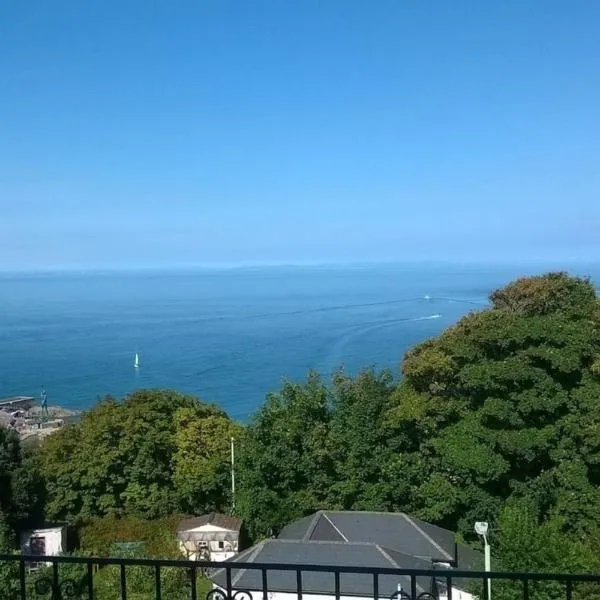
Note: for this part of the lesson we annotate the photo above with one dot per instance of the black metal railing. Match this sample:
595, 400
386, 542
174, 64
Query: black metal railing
86, 578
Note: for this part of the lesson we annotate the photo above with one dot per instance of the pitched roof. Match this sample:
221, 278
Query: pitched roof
399, 531
217, 519
299, 552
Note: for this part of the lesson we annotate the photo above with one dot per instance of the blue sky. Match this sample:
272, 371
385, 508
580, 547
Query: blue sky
138, 133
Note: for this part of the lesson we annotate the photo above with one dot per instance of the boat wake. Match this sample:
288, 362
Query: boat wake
334, 356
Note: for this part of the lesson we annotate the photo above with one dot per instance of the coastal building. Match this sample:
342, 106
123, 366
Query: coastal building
213, 537
49, 540
370, 540
16, 403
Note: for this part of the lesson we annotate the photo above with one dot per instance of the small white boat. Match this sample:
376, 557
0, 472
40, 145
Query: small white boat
136, 361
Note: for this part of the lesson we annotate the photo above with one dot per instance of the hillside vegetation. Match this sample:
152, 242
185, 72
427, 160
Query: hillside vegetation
496, 419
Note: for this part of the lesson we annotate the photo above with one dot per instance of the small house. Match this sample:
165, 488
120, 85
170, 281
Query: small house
213, 537
50, 540
353, 539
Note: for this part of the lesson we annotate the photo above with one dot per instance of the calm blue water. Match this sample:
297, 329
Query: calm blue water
228, 336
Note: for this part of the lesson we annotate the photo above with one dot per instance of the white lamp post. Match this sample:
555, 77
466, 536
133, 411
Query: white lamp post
481, 529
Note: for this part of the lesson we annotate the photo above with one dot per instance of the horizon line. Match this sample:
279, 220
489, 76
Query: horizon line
175, 267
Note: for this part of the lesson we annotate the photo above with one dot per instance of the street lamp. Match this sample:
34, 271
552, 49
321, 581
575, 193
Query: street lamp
481, 529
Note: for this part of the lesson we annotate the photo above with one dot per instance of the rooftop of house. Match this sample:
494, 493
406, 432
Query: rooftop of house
399, 531
354, 539
300, 552
222, 521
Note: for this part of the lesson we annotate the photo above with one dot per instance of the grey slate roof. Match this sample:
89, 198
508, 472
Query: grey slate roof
298, 552
392, 530
353, 539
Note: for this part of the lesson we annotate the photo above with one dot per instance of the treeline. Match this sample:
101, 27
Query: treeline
497, 419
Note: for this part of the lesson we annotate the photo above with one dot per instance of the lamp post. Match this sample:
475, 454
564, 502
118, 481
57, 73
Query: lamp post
481, 529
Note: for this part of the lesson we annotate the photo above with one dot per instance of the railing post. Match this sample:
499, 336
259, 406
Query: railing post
449, 588
525, 589
375, 586
228, 572
299, 583
413, 586
90, 580
157, 582
123, 582
265, 587
22, 578
569, 589
55, 582
193, 582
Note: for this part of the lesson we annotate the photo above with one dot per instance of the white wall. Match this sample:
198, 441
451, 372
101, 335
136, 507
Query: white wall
55, 538
217, 554
456, 595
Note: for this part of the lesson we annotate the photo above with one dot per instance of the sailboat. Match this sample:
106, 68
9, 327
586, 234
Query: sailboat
136, 361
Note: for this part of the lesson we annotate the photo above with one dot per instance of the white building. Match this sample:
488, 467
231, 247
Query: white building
45, 541
213, 537
355, 539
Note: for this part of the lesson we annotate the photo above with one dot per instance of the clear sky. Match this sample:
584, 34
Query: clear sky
140, 133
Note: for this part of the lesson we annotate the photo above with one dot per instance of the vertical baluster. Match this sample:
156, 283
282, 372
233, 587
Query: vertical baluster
55, 582
413, 587
90, 581
193, 582
228, 573
375, 586
525, 589
123, 583
22, 578
337, 585
299, 583
569, 589
265, 585
157, 582
449, 587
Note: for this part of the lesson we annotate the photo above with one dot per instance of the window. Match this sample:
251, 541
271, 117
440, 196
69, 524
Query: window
221, 545
37, 545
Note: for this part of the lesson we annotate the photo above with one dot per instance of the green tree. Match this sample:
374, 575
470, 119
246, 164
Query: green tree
506, 401
119, 460
285, 466
202, 460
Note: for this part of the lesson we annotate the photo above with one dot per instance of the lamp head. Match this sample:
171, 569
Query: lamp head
481, 528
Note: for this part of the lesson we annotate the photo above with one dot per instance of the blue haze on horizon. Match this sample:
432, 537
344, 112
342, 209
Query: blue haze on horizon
140, 134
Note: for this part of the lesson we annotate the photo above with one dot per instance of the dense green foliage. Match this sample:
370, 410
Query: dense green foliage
100, 536
154, 454
21, 488
496, 419
498, 416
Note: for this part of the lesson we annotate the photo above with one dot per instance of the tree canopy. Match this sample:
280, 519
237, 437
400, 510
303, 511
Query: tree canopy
497, 419
502, 407
140, 457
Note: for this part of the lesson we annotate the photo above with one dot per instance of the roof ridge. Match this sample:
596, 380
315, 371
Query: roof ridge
336, 528
396, 565
387, 556
427, 537
339, 542
253, 555
312, 526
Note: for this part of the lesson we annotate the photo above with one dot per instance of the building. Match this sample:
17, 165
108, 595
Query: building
355, 539
213, 537
50, 540
16, 403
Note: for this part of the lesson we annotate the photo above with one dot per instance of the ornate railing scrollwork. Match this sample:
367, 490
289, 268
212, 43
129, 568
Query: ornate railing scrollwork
69, 588
402, 595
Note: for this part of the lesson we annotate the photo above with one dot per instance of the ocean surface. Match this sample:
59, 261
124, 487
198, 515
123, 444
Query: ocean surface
229, 336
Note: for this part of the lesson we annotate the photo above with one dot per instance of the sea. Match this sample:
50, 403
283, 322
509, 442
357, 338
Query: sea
229, 336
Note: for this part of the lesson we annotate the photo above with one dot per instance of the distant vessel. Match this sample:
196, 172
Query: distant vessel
427, 297
136, 361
